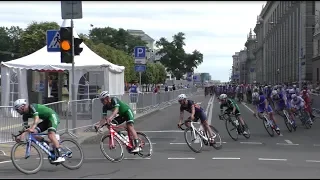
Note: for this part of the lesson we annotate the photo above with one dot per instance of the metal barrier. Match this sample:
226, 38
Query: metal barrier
88, 111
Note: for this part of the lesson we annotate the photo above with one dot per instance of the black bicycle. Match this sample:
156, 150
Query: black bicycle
233, 122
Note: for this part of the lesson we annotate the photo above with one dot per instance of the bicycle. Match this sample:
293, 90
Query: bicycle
32, 142
201, 136
290, 124
267, 123
239, 127
316, 112
122, 139
304, 118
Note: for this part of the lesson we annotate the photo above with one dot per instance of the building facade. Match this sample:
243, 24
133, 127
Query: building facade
235, 77
251, 60
243, 68
316, 47
284, 33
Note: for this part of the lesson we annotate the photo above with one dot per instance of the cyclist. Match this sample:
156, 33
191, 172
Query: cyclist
231, 107
262, 105
282, 103
298, 103
196, 113
49, 122
125, 114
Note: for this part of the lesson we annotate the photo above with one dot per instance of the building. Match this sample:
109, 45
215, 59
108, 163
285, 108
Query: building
243, 68
235, 68
251, 60
316, 47
284, 33
145, 37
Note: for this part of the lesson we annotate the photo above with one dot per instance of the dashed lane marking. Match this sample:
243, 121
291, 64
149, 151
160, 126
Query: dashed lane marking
288, 143
186, 158
251, 143
313, 161
225, 158
164, 131
268, 159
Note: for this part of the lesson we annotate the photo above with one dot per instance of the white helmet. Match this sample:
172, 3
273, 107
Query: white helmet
274, 92
104, 94
223, 96
255, 95
293, 96
18, 103
292, 91
182, 96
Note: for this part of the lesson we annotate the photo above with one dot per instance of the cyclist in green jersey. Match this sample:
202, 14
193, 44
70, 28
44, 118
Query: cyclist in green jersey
231, 106
125, 114
50, 121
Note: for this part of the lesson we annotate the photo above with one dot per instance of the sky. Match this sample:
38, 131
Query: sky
217, 29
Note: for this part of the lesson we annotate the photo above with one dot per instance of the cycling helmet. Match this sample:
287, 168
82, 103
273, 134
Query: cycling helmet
223, 96
292, 91
181, 97
293, 96
104, 94
294, 86
255, 95
274, 92
18, 103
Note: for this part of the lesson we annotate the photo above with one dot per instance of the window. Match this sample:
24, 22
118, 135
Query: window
317, 74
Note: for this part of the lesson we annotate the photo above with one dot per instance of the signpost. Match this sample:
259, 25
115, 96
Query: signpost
72, 10
140, 60
53, 41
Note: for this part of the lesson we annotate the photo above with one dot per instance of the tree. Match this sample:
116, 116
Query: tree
154, 74
118, 39
162, 74
34, 36
175, 59
9, 42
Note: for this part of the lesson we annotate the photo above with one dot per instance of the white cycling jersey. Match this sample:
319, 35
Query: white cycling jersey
297, 104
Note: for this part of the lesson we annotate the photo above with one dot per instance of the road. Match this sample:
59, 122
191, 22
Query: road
291, 155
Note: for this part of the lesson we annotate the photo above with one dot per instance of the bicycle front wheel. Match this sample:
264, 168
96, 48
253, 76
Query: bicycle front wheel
69, 151
196, 140
34, 154
106, 141
268, 127
217, 139
145, 145
287, 120
232, 129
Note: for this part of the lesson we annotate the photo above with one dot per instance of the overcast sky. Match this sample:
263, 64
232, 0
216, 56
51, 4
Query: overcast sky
217, 29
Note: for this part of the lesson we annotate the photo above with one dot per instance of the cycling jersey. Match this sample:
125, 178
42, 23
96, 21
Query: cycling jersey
199, 112
280, 99
261, 107
50, 119
297, 104
125, 112
230, 104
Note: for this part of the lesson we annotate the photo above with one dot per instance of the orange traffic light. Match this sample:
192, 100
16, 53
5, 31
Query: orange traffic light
65, 45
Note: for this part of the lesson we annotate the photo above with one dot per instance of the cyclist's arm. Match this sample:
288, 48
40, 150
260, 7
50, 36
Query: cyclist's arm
25, 125
193, 110
35, 116
266, 104
116, 106
181, 115
221, 108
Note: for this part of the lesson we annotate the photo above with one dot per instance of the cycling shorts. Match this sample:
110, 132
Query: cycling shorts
128, 117
261, 109
50, 124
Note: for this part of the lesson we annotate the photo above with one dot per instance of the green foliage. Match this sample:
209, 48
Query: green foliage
177, 61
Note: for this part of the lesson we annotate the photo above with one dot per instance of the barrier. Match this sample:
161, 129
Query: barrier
88, 111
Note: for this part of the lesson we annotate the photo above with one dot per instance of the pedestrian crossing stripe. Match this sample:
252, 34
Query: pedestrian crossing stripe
55, 42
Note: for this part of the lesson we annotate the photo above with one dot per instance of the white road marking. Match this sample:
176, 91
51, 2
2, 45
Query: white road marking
285, 144
139, 158
316, 145
247, 107
225, 158
164, 131
177, 143
288, 141
2, 162
268, 159
187, 158
250, 142
313, 161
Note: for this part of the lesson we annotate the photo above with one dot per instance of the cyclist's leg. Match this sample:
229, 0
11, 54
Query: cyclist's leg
204, 121
271, 116
41, 127
129, 117
238, 116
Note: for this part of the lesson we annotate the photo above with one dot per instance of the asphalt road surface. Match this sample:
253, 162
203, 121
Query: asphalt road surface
290, 155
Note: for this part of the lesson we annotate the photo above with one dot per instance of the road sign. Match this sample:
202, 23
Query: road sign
140, 55
53, 41
140, 68
71, 9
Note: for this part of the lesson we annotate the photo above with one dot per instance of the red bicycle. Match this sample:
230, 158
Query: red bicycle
117, 138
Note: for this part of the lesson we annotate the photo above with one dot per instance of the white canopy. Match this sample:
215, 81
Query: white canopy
43, 60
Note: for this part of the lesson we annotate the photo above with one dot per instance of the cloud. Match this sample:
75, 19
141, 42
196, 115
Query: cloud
217, 29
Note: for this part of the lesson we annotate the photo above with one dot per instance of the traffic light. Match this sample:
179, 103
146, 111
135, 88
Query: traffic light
66, 44
77, 48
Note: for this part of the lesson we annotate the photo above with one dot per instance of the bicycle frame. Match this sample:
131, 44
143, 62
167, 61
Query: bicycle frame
31, 139
266, 116
113, 133
194, 130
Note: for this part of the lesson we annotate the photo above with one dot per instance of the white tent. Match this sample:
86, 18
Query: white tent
43, 60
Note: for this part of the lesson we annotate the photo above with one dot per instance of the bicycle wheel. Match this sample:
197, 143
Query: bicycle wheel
196, 139
117, 144
287, 121
14, 161
246, 128
268, 127
144, 152
316, 112
218, 141
305, 120
230, 124
68, 154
